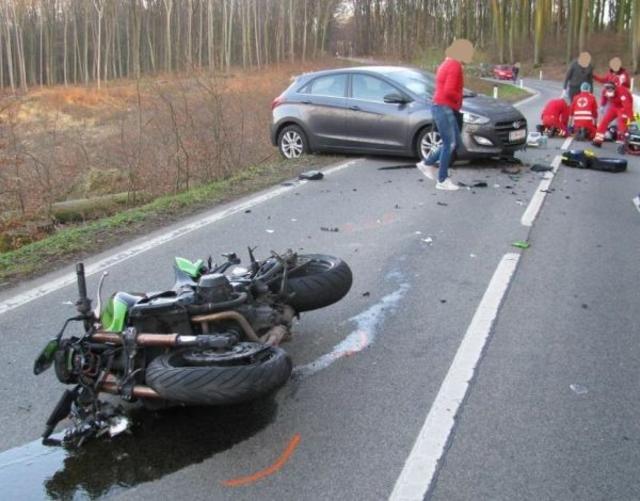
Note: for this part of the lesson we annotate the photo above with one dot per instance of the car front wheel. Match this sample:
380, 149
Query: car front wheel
427, 140
292, 142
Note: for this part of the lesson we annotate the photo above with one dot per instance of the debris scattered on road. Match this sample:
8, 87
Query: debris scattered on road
546, 191
442, 204
355, 189
567, 197
519, 202
417, 233
585, 306
578, 389
311, 175
475, 184
496, 185
270, 231
366, 294
511, 160
286, 183
397, 206
248, 211
332, 230
536, 140
541, 168
394, 167
427, 240
472, 256
521, 244
443, 301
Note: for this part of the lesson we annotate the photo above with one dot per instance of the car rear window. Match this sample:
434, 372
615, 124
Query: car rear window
328, 85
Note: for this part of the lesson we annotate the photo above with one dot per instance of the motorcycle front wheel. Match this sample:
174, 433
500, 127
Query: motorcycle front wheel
318, 281
211, 377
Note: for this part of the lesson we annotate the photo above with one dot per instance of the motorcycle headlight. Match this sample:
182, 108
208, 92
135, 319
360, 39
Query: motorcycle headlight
472, 118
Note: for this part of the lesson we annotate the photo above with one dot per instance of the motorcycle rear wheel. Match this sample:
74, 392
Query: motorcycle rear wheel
206, 377
322, 281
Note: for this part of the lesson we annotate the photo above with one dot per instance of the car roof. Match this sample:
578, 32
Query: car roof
381, 70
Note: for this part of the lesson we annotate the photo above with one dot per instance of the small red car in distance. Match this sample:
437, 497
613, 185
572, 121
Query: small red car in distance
503, 72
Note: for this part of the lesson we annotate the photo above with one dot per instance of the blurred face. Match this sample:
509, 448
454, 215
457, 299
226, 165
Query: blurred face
615, 64
584, 59
610, 92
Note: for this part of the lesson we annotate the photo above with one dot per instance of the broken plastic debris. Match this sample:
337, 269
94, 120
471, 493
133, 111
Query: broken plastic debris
366, 294
427, 240
333, 230
510, 170
293, 219
521, 244
311, 175
443, 204
541, 168
118, 425
496, 185
472, 255
578, 389
475, 184
270, 231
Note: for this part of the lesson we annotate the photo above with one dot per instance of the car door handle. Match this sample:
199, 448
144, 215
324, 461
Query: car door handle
354, 108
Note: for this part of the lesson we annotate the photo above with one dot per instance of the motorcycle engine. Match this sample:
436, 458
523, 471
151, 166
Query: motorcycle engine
214, 288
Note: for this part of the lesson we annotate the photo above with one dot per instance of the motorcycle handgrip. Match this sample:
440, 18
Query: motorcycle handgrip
82, 284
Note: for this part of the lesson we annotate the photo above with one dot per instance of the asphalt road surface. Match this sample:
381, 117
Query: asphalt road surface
476, 370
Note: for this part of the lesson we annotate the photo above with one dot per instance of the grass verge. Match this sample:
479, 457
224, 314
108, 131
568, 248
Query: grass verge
76, 241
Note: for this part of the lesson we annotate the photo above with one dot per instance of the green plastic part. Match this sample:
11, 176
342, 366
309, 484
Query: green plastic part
192, 269
521, 244
114, 316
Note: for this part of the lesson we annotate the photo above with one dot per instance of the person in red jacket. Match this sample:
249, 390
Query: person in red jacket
555, 117
616, 74
620, 108
445, 109
583, 113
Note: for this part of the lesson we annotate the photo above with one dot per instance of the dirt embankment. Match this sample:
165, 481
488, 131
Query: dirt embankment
135, 139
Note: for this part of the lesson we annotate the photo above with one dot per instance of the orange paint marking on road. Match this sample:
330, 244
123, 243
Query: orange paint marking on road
270, 470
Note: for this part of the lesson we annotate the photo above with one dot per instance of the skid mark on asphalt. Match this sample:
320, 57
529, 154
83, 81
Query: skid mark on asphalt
270, 470
367, 325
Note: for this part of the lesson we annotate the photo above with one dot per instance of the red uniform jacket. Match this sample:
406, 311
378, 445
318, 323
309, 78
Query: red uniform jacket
584, 108
449, 84
621, 77
623, 101
558, 109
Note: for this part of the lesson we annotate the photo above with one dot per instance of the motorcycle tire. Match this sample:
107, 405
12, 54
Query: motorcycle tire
323, 281
193, 377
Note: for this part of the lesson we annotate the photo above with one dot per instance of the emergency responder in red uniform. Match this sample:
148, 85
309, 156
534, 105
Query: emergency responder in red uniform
555, 117
616, 74
620, 108
583, 113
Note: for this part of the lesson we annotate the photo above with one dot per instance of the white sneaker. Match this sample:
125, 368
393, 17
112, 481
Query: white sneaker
636, 202
429, 171
447, 185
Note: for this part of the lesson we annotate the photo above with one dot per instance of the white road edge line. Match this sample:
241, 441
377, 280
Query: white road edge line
99, 266
533, 209
421, 466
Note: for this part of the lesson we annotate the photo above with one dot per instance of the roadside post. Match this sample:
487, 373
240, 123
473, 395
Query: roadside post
495, 92
540, 74
633, 82
521, 83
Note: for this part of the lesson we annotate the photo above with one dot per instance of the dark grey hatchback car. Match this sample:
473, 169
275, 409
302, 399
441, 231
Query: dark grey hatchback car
385, 110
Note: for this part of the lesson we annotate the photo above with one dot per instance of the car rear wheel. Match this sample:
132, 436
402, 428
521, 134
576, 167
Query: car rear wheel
292, 142
427, 140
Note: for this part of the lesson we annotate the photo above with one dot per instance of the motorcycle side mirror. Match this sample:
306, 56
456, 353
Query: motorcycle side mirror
45, 359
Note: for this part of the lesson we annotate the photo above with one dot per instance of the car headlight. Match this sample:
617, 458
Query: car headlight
472, 118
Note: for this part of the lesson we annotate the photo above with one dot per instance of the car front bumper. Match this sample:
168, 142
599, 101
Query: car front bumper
493, 139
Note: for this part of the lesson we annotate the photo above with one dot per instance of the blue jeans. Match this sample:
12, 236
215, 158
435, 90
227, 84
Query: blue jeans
447, 126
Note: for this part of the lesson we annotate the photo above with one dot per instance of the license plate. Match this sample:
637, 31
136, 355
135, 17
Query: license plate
516, 135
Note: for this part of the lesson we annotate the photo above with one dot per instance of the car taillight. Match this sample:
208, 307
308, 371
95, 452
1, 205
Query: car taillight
277, 102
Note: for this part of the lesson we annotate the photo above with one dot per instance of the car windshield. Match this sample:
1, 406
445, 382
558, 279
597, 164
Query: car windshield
419, 82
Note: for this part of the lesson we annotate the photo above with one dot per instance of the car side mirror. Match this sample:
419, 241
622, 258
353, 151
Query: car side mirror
396, 98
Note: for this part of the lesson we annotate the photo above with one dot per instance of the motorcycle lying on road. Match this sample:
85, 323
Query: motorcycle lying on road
212, 339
